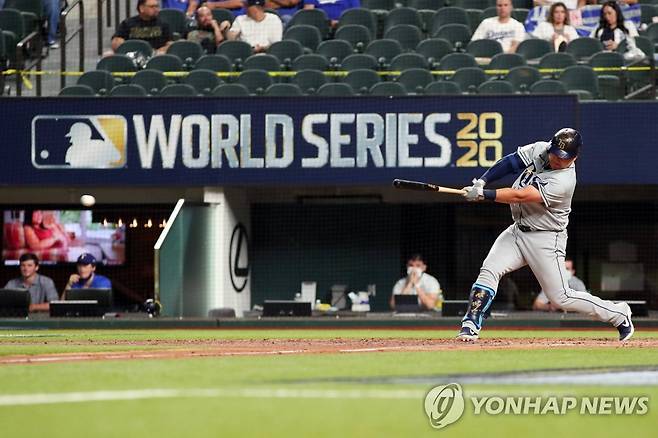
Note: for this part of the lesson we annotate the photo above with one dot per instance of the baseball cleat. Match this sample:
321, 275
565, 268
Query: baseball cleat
626, 328
467, 334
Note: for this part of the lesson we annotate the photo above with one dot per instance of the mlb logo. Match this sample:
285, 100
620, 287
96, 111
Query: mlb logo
79, 142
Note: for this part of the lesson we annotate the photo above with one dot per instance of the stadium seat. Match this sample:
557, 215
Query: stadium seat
523, 77
408, 60
179, 90
643, 43
548, 86
533, 48
457, 34
286, 51
584, 47
442, 88
262, 61
385, 5
283, 90
520, 14
426, 16
215, 63
77, 91
256, 81
308, 36
235, 51
361, 80
652, 34
469, 79
484, 48
384, 50
176, 20
117, 64
309, 80
434, 49
611, 86
337, 89
407, 35
166, 64
388, 89
361, 16
449, 15
230, 90
505, 61
427, 4
335, 50
488, 13
187, 51
402, 15
580, 80
496, 87
203, 81
415, 80
356, 34
556, 61
222, 15
310, 62
31, 12
359, 61
139, 46
640, 78
474, 18
454, 61
127, 90
312, 17
151, 80
13, 27
472, 4
100, 81
648, 12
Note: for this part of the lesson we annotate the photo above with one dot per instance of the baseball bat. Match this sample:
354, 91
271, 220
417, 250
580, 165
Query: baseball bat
422, 186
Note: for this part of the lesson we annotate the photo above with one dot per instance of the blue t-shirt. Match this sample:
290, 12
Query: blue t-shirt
176, 4
333, 8
99, 282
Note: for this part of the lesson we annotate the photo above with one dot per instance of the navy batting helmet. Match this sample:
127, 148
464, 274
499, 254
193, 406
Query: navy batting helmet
566, 143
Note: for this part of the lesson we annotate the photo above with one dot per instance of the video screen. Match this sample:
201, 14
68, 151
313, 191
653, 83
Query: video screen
60, 236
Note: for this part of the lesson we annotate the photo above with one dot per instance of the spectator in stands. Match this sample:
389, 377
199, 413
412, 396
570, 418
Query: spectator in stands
257, 27
43, 231
187, 6
145, 26
613, 29
86, 276
208, 32
51, 11
556, 29
418, 282
285, 8
503, 28
541, 301
42, 289
333, 8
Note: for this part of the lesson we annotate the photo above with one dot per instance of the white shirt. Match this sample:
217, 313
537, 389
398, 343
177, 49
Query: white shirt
258, 33
428, 284
618, 33
504, 33
545, 31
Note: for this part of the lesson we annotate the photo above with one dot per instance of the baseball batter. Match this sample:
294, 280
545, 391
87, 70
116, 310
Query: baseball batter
540, 200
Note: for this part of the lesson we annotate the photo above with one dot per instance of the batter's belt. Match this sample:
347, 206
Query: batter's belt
527, 229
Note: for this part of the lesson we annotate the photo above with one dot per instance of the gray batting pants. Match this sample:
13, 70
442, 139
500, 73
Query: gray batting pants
544, 252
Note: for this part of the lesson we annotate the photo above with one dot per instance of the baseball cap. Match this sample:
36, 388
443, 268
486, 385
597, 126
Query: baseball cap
86, 259
256, 3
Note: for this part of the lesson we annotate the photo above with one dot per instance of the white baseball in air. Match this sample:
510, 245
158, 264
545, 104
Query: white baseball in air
87, 200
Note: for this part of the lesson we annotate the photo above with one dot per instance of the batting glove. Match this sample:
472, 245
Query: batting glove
475, 192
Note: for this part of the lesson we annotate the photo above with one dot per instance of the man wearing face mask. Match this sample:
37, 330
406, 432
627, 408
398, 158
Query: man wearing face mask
87, 277
575, 283
418, 282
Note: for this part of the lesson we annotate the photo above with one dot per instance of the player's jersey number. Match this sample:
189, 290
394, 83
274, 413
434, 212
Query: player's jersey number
481, 139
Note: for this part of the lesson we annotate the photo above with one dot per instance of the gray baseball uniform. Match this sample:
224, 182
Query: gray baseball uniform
538, 238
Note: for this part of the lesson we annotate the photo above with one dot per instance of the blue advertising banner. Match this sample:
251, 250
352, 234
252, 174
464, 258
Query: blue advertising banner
287, 141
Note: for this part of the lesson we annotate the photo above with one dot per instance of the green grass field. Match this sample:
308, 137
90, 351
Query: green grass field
293, 395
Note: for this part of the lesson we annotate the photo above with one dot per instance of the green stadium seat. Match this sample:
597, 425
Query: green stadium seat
230, 90
312, 17
652, 34
309, 80
13, 28
434, 49
405, 61
203, 81
407, 35
178, 90
262, 61
128, 90
426, 16
77, 91
457, 34
388, 89
384, 50
474, 18
256, 81
505, 61
648, 12
361, 16
556, 61
523, 77
335, 89
611, 85
166, 63
442, 88
335, 50
235, 51
520, 14
533, 49
469, 79
385, 5
222, 15
361, 80
286, 51
215, 63
117, 64
488, 13
496, 87
187, 51
308, 36
580, 80
31, 12
584, 47
310, 62
283, 90
415, 80
433, 5
473, 4
356, 34
449, 15
484, 48
548, 86
100, 81
139, 46
402, 15
454, 61
151, 80
359, 61
176, 20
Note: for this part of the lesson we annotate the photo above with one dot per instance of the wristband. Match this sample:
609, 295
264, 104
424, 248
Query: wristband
489, 194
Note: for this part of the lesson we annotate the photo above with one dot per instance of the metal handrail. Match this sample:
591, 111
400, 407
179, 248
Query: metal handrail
22, 48
99, 21
66, 37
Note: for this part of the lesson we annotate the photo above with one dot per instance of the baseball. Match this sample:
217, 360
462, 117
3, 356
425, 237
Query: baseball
87, 200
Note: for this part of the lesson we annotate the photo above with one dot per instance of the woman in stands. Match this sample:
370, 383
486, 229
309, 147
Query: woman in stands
556, 29
613, 29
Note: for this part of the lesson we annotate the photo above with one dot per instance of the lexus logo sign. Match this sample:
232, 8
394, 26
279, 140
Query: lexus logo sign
238, 258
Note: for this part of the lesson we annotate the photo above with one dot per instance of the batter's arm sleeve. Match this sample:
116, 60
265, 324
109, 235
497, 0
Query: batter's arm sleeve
510, 164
